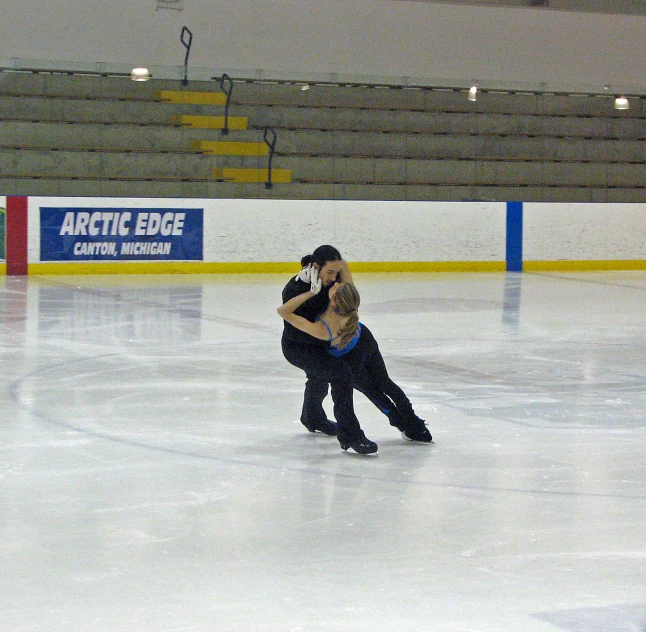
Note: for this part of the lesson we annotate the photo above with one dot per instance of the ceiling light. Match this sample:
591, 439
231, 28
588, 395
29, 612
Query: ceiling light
621, 103
140, 74
473, 91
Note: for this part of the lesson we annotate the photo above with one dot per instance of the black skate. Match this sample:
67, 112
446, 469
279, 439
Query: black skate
411, 426
361, 446
416, 430
325, 426
421, 434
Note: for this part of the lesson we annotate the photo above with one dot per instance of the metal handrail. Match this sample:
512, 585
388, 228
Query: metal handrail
226, 78
272, 147
187, 45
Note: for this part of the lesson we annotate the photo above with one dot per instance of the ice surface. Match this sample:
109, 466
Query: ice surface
154, 476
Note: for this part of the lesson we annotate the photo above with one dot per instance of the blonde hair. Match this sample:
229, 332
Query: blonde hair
347, 301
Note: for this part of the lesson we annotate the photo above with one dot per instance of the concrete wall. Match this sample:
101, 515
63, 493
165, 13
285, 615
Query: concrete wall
367, 37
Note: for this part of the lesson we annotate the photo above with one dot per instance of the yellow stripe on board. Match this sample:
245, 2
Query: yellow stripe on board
3, 269
199, 267
584, 266
161, 267
235, 267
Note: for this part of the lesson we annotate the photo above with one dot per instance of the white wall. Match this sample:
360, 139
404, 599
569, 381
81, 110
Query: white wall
368, 37
367, 231
276, 231
584, 232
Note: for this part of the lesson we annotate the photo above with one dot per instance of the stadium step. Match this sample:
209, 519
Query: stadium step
209, 122
282, 176
221, 148
193, 98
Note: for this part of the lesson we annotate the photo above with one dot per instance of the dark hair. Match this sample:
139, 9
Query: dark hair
321, 256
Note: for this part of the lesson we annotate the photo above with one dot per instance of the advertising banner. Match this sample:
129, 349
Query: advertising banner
121, 234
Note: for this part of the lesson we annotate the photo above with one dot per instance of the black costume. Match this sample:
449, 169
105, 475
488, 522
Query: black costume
322, 369
370, 376
362, 367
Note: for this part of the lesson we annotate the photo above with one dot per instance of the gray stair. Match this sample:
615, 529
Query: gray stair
73, 110
97, 136
66, 134
324, 119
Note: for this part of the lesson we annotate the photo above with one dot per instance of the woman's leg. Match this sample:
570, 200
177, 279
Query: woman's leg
371, 378
319, 365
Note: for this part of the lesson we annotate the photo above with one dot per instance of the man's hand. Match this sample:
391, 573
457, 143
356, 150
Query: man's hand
315, 282
305, 274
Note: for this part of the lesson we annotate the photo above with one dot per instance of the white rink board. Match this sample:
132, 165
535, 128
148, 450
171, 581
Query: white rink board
573, 232
284, 230
270, 230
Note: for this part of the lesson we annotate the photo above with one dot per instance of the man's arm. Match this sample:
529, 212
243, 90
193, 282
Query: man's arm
345, 276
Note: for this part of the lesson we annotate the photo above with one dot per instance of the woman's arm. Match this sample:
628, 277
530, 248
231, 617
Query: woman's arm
286, 311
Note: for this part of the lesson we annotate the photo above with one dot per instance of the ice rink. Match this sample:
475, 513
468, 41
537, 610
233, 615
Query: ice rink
154, 476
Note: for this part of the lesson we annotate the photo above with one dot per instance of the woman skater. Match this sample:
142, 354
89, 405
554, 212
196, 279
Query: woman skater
349, 340
319, 273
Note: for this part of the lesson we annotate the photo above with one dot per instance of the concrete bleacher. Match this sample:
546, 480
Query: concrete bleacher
65, 134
